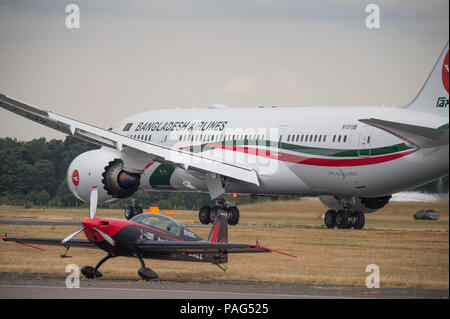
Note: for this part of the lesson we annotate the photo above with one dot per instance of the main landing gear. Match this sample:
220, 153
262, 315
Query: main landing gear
344, 219
207, 214
143, 272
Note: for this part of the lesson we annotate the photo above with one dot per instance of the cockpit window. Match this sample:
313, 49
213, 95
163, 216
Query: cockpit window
158, 221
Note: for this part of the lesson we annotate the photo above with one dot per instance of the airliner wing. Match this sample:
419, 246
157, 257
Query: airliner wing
111, 139
422, 137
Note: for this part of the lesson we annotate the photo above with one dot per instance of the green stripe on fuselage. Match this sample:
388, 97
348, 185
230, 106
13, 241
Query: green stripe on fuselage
160, 178
304, 149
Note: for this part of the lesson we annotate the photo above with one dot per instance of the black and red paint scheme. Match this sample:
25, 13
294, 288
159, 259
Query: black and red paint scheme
152, 236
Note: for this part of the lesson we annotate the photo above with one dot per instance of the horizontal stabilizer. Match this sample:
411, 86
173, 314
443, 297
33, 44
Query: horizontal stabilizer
420, 136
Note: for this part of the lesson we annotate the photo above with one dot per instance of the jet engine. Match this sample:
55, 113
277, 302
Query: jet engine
104, 168
119, 183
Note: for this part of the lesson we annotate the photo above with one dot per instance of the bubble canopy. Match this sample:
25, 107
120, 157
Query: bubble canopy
158, 221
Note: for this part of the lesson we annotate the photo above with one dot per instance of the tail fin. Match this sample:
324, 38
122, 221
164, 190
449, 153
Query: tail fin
433, 97
219, 231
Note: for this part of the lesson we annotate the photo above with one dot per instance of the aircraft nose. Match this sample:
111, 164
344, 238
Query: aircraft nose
90, 223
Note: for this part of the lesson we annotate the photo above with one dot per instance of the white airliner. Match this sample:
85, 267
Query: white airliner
353, 158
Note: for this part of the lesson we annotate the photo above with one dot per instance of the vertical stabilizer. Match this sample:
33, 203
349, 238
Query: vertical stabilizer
433, 97
219, 231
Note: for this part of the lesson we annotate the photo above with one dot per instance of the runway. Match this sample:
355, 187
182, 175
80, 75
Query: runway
34, 286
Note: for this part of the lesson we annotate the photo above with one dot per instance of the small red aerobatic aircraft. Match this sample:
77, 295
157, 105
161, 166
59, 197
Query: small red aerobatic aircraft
147, 235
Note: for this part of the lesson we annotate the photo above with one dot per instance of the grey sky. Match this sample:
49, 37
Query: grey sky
132, 56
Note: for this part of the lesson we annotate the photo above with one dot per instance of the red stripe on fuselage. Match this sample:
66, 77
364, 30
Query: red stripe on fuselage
330, 162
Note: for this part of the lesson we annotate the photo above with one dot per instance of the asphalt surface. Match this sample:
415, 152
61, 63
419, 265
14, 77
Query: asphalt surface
35, 286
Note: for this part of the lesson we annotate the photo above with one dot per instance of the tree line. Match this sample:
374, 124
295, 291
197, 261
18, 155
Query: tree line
34, 173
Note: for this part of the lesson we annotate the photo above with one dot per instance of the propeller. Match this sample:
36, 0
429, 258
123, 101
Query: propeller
92, 210
93, 202
111, 241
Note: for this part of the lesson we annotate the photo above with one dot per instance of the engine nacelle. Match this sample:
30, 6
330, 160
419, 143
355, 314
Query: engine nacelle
119, 183
103, 168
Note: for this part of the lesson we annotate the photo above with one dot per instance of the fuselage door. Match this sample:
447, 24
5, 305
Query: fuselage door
365, 141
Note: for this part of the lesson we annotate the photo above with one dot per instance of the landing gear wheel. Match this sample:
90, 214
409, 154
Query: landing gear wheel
330, 219
360, 220
233, 215
88, 271
131, 211
204, 215
147, 274
342, 218
213, 213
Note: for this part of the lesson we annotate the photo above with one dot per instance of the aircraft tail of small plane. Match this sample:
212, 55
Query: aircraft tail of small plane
219, 230
434, 95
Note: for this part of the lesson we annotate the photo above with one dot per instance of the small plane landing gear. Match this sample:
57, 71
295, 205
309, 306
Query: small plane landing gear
145, 273
207, 214
344, 219
88, 271
92, 272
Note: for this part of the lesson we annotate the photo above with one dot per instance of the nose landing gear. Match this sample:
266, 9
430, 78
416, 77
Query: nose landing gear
133, 210
207, 214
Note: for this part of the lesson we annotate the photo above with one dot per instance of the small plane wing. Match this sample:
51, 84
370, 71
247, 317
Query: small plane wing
420, 136
111, 139
50, 241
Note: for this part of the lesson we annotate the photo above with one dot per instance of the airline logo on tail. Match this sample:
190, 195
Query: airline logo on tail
445, 73
442, 101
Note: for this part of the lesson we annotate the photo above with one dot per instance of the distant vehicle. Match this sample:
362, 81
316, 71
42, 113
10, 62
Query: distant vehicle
427, 214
